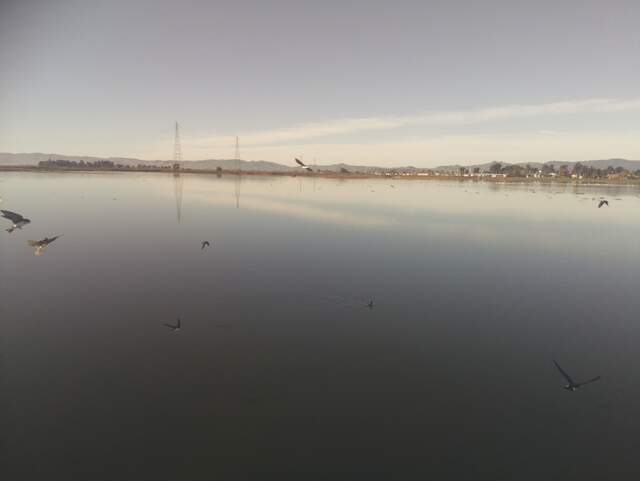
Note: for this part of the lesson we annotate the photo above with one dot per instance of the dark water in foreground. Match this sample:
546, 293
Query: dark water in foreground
280, 371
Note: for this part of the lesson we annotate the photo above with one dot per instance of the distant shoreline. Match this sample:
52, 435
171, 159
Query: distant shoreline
325, 175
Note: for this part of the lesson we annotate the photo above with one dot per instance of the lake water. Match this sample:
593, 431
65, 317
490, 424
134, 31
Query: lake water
280, 371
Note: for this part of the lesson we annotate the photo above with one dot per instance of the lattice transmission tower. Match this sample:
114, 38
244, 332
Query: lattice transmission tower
177, 178
177, 148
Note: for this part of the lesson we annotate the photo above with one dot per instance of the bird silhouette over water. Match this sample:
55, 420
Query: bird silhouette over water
17, 221
42, 244
174, 327
572, 386
303, 165
205, 244
603, 202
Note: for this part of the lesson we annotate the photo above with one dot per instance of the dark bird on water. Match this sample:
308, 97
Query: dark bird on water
303, 165
17, 221
572, 386
370, 304
42, 244
603, 202
205, 244
174, 327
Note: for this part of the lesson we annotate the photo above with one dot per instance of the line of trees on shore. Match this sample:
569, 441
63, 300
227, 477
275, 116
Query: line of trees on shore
96, 164
549, 170
73, 164
578, 170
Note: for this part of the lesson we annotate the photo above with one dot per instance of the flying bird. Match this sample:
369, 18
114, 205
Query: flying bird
303, 165
572, 386
174, 327
603, 202
41, 245
17, 221
205, 244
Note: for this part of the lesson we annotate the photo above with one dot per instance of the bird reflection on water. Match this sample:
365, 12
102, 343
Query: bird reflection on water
41, 245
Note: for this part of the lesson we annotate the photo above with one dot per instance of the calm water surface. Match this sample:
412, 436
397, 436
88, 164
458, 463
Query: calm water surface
280, 371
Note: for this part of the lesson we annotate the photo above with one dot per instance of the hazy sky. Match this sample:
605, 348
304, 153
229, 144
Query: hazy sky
387, 83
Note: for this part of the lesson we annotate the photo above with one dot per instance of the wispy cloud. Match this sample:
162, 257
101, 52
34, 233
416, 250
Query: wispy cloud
337, 127
444, 140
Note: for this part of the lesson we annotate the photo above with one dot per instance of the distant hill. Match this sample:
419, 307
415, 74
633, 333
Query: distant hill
365, 169
227, 164
265, 166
